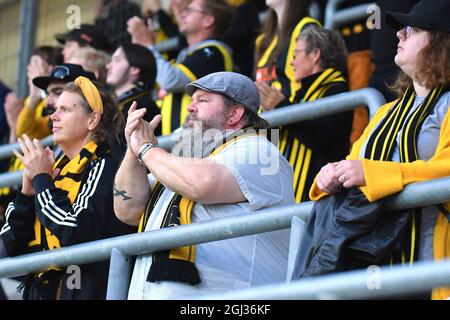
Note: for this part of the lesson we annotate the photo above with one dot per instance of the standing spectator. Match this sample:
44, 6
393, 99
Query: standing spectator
132, 74
242, 35
203, 23
406, 141
227, 183
112, 17
87, 35
275, 50
165, 24
68, 201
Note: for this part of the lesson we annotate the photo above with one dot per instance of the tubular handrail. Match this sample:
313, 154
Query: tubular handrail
6, 150
334, 17
370, 97
361, 284
415, 195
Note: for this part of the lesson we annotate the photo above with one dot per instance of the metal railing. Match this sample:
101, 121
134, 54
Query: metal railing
415, 195
335, 18
370, 97
375, 282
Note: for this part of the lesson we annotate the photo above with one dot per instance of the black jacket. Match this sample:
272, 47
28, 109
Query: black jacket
346, 231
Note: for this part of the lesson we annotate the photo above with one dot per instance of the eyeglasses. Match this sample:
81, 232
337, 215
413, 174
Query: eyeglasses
297, 51
190, 10
407, 31
59, 72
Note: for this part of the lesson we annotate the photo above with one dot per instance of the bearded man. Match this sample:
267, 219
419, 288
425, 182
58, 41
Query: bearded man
236, 172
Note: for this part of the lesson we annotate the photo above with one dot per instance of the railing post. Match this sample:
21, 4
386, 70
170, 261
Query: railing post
28, 11
119, 276
297, 229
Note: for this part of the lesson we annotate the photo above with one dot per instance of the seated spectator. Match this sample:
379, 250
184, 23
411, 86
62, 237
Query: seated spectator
132, 74
53, 209
227, 183
87, 35
319, 64
203, 23
92, 60
275, 50
406, 141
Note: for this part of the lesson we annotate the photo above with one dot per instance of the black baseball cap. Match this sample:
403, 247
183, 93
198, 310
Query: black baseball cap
87, 34
66, 72
427, 14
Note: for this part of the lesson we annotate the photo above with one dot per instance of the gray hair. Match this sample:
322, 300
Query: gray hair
333, 52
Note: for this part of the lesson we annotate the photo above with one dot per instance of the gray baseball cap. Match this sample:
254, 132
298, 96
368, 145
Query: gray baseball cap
233, 85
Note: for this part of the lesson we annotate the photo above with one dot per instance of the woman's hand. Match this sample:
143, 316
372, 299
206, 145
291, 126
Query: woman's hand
350, 173
327, 180
270, 97
35, 158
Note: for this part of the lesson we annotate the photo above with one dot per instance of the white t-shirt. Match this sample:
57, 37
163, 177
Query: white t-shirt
265, 178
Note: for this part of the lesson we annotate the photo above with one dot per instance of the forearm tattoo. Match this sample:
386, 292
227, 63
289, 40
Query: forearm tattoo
122, 194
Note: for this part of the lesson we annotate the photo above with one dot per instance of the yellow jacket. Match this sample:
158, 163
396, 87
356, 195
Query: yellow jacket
31, 121
384, 178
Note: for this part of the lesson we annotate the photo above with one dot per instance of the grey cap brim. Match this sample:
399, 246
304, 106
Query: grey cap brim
191, 87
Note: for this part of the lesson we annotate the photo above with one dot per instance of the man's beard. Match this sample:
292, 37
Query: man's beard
200, 140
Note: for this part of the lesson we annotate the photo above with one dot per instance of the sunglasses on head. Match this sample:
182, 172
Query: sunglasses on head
59, 72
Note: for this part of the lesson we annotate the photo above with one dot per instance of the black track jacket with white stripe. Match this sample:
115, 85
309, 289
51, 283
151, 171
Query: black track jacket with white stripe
91, 217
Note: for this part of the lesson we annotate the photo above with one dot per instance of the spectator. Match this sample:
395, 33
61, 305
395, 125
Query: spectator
132, 74
319, 65
202, 23
165, 24
275, 50
92, 60
53, 209
87, 35
242, 35
42, 60
406, 141
30, 118
112, 17
384, 48
4, 132
227, 183
34, 118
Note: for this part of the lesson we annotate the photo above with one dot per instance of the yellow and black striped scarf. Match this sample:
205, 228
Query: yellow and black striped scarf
381, 146
69, 179
178, 264
298, 154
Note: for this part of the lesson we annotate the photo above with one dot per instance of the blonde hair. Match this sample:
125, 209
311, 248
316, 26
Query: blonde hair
92, 60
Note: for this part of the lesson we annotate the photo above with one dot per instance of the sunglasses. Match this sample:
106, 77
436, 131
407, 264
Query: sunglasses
59, 72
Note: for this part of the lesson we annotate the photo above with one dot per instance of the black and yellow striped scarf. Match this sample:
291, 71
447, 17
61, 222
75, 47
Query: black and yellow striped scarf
381, 146
297, 153
69, 179
178, 264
